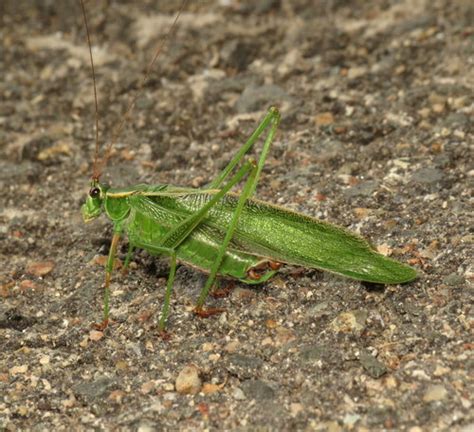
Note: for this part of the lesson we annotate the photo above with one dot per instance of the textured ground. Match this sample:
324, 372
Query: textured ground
376, 98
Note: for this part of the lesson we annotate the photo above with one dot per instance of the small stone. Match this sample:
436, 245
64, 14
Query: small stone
147, 387
296, 408
271, 324
238, 394
427, 176
117, 396
318, 310
391, 382
16, 370
209, 388
95, 335
214, 357
421, 374
94, 390
232, 346
40, 268
384, 249
44, 360
435, 392
242, 366
332, 426
284, 335
440, 371
242, 294
356, 72
207, 346
169, 387
350, 322
438, 108
350, 419
257, 389
146, 426
366, 188
454, 279
188, 381
69, 402
372, 366
362, 212
27, 284
324, 119
313, 353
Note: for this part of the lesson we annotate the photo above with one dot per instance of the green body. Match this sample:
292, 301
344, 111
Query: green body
264, 232
233, 235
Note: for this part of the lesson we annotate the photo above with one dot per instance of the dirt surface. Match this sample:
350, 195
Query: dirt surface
376, 99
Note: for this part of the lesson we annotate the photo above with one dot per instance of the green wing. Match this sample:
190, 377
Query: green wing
271, 232
286, 236
151, 218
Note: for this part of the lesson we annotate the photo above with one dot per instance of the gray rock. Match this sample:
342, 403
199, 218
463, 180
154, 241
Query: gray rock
435, 392
457, 119
427, 176
366, 188
244, 366
313, 353
372, 366
454, 279
257, 389
238, 54
93, 390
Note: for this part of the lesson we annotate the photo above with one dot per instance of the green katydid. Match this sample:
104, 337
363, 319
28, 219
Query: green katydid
229, 234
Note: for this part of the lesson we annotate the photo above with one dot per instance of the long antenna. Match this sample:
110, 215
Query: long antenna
117, 131
95, 171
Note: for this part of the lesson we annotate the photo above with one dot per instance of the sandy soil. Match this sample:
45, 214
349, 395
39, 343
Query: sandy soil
376, 98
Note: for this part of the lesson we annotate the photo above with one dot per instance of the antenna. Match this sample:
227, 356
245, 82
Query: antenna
98, 167
95, 171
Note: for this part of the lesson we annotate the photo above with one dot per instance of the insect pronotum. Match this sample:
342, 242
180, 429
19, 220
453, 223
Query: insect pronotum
221, 232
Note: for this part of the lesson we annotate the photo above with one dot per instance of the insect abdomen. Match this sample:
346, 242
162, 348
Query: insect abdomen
291, 237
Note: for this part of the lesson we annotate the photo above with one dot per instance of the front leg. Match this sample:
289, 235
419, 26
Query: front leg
108, 276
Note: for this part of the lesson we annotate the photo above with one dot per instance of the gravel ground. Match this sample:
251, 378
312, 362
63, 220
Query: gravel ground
376, 99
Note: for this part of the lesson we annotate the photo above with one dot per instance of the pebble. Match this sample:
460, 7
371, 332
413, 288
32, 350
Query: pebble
454, 279
244, 367
16, 370
435, 392
257, 389
188, 381
324, 119
238, 394
366, 188
93, 390
427, 176
313, 354
40, 268
350, 322
372, 366
350, 419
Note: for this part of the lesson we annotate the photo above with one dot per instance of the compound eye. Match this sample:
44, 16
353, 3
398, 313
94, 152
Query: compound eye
94, 192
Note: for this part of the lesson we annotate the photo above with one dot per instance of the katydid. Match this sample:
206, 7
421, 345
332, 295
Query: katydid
228, 234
